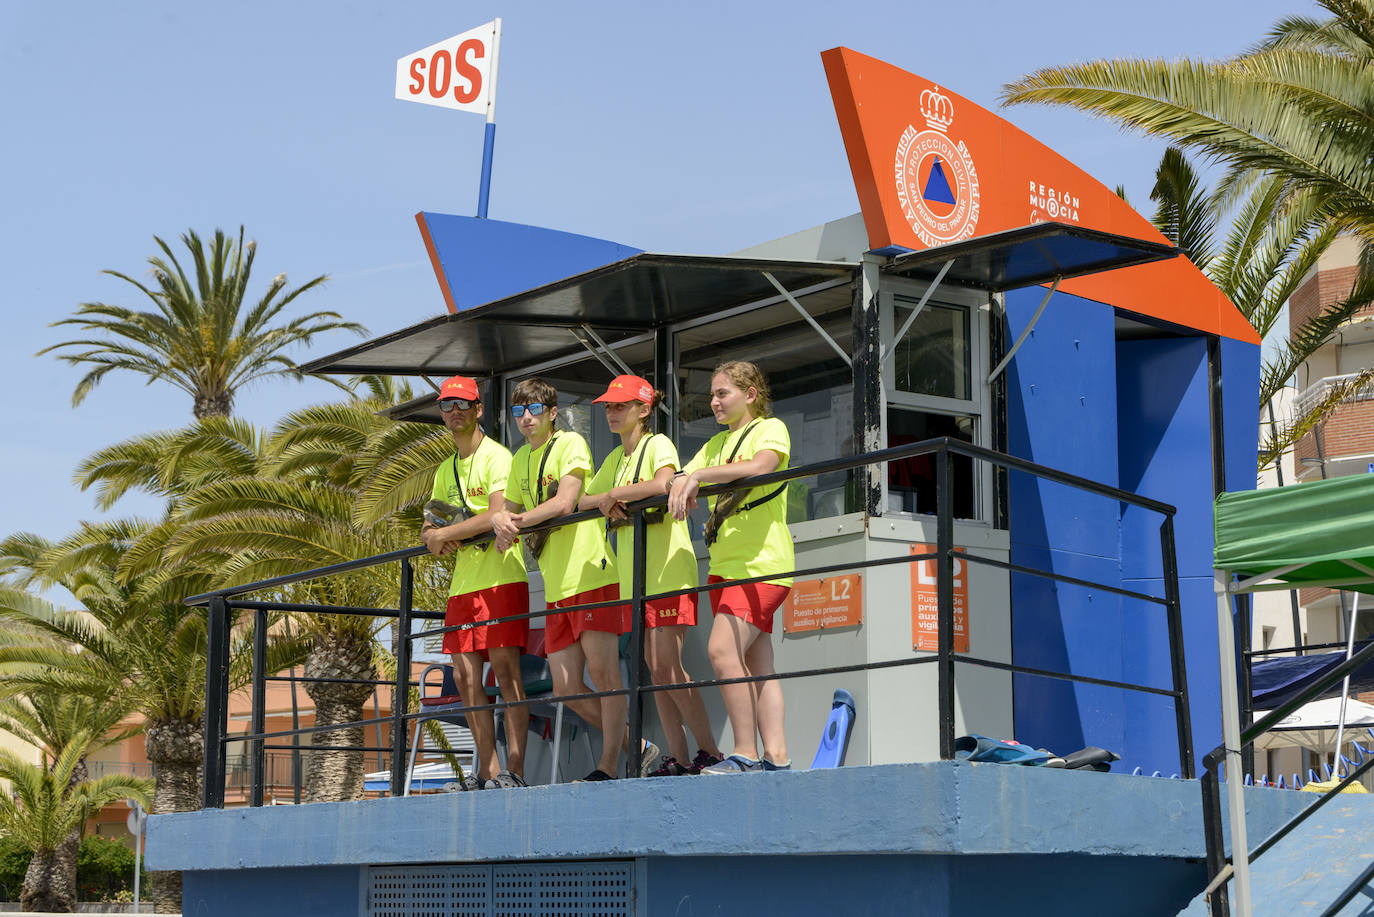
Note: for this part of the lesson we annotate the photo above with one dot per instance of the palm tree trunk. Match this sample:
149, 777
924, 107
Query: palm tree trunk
337, 776
50, 881
176, 749
218, 404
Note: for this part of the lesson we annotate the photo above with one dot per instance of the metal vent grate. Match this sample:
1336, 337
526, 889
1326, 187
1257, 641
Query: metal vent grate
603, 889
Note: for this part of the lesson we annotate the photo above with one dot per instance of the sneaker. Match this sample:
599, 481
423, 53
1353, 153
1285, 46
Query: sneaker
471, 782
703, 760
647, 756
595, 776
735, 764
668, 768
770, 766
504, 781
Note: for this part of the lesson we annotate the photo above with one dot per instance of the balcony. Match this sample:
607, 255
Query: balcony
1347, 434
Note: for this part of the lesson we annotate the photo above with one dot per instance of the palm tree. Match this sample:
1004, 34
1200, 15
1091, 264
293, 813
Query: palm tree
46, 807
303, 508
1289, 120
52, 722
1293, 106
198, 335
132, 637
1274, 240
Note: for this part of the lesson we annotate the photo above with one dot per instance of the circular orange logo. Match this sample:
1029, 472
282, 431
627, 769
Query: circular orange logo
937, 186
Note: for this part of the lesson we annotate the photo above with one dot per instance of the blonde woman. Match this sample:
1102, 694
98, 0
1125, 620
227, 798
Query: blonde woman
747, 535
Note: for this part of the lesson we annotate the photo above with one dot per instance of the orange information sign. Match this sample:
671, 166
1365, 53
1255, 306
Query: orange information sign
820, 604
925, 631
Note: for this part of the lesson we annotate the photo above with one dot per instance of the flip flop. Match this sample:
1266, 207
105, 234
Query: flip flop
1099, 759
997, 751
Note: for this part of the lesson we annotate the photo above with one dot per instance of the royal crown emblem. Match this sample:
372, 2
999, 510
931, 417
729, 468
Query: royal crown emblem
936, 180
937, 108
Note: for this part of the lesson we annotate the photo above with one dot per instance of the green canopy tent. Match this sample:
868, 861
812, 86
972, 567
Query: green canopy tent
1317, 534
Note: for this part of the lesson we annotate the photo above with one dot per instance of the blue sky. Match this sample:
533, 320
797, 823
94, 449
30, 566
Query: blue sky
699, 127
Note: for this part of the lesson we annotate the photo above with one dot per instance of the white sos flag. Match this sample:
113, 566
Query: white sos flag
457, 73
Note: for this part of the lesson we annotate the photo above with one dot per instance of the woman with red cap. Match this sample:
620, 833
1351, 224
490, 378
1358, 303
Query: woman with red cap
642, 466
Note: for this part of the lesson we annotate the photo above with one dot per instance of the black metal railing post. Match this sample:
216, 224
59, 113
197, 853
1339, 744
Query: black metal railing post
944, 590
1177, 662
216, 703
635, 664
1218, 903
258, 711
400, 700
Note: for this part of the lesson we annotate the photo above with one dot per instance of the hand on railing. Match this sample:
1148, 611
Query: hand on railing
682, 499
506, 526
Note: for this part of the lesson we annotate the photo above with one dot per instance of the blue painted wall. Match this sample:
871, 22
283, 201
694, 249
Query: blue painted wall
312, 891
770, 886
1136, 414
1163, 401
485, 260
1240, 368
1061, 412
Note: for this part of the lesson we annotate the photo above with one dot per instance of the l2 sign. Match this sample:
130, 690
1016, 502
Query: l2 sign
455, 73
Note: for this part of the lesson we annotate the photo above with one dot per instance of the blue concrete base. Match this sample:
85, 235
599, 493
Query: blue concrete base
903, 885
942, 837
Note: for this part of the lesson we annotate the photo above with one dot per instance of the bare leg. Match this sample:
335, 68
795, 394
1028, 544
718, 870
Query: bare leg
730, 640
603, 662
467, 671
664, 650
767, 699
668, 715
505, 662
566, 666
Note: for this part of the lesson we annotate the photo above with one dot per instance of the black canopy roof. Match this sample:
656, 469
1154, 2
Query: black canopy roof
647, 291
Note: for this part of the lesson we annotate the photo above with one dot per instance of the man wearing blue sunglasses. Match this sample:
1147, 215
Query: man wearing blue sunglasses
547, 477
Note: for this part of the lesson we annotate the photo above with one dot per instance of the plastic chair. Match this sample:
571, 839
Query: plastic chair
446, 706
538, 683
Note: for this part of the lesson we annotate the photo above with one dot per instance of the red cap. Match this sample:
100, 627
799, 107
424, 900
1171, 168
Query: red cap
628, 388
459, 387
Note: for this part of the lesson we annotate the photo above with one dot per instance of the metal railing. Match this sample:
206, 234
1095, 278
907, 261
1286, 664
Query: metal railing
221, 603
1318, 391
97, 769
1219, 869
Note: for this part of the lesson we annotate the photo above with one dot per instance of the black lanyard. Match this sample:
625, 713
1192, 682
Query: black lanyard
539, 483
753, 504
740, 442
458, 478
639, 465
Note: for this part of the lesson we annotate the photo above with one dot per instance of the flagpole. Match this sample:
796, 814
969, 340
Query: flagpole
489, 140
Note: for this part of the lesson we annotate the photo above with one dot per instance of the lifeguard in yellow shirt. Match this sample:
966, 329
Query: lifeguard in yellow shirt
642, 466
487, 584
547, 477
752, 540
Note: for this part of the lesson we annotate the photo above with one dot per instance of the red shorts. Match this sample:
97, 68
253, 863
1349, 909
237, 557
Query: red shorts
564, 629
754, 603
669, 612
487, 605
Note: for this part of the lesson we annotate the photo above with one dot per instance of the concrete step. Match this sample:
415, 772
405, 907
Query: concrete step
1315, 865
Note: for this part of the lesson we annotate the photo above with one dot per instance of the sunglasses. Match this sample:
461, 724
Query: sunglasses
456, 404
518, 410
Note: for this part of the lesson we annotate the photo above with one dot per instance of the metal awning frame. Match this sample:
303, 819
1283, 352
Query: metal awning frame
604, 326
